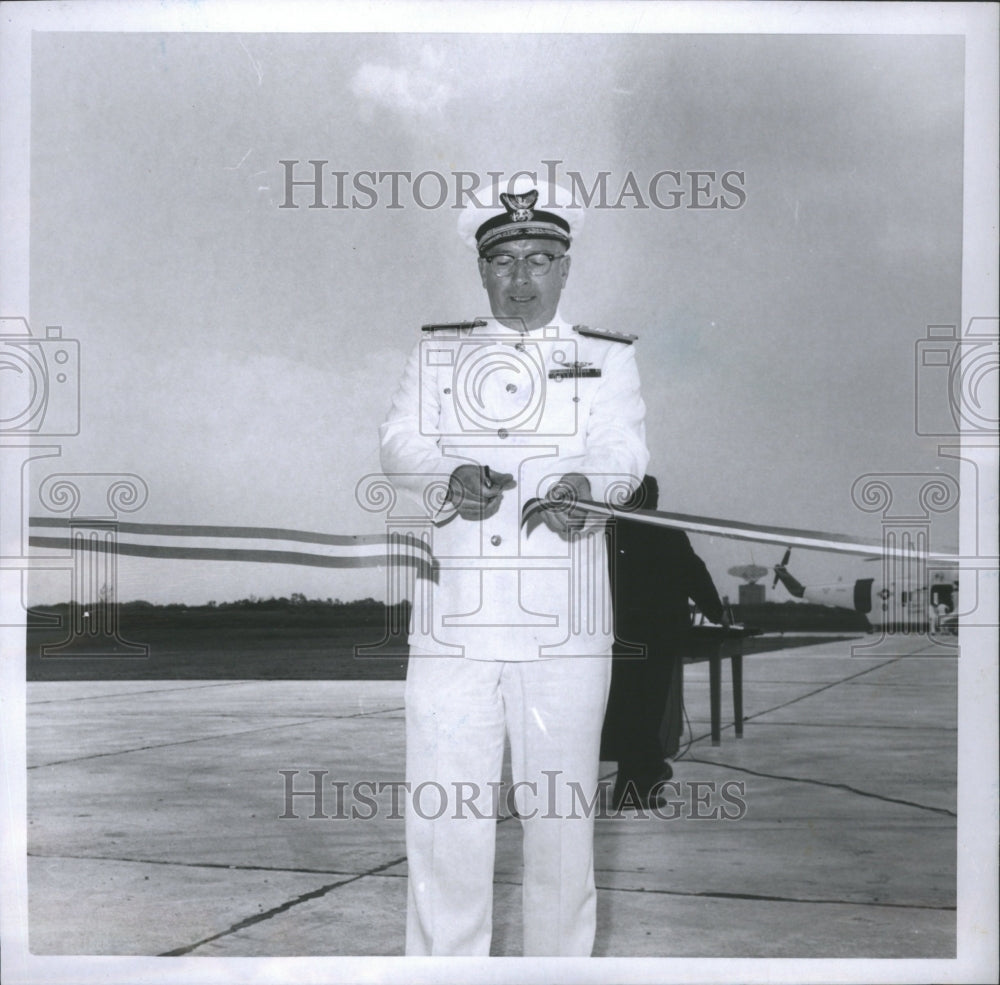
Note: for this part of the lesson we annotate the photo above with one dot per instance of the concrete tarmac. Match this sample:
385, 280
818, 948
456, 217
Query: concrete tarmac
156, 827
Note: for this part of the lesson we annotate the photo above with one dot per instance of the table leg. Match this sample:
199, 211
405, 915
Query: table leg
737, 665
715, 689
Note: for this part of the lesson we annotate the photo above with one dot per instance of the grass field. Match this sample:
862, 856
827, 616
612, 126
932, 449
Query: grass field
282, 651
236, 653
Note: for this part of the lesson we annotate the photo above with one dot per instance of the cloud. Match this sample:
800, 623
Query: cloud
415, 92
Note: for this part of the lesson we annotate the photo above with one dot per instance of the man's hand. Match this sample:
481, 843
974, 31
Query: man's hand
476, 491
558, 511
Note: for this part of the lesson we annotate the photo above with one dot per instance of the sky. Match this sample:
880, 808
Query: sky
239, 356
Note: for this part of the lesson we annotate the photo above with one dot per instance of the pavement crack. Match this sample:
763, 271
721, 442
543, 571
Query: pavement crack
208, 738
785, 704
747, 718
801, 779
828, 784
825, 687
232, 866
178, 742
276, 910
126, 694
762, 898
856, 725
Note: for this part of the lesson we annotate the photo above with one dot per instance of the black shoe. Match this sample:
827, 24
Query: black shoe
657, 796
631, 796
626, 796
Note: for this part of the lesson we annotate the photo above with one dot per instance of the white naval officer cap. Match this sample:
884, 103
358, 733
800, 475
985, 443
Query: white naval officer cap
524, 209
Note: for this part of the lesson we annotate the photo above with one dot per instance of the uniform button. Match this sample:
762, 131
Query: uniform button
519, 347
496, 540
511, 388
447, 389
576, 400
502, 433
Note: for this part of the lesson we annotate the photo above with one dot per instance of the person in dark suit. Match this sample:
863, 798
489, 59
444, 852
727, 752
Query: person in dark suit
654, 572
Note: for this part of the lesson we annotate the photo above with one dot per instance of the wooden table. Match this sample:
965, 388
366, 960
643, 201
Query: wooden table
715, 644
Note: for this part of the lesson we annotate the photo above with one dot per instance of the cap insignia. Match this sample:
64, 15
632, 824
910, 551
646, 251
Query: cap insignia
520, 206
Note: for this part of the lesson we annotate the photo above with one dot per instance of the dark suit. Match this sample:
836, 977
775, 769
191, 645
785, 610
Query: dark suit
654, 571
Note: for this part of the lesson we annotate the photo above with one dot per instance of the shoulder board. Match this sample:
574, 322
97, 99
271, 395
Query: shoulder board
454, 326
598, 333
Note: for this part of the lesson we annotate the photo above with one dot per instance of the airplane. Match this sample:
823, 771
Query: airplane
899, 605
894, 604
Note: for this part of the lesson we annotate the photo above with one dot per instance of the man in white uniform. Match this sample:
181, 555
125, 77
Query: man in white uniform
497, 425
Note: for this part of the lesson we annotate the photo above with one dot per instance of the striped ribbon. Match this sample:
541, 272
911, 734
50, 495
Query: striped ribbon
269, 545
276, 545
817, 540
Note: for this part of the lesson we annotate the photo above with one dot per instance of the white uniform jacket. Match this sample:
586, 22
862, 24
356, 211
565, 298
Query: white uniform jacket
536, 405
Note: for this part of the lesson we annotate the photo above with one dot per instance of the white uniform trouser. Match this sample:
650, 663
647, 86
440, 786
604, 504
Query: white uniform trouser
457, 713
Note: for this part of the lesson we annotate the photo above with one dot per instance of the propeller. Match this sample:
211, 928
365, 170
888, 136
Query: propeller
784, 564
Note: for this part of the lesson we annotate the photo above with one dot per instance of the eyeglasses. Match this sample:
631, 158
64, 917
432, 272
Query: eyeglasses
538, 264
